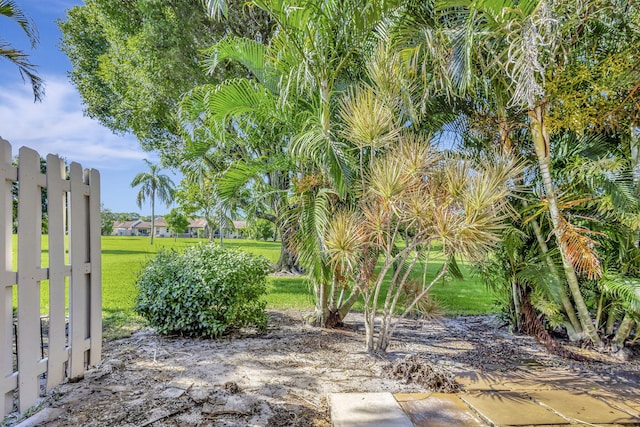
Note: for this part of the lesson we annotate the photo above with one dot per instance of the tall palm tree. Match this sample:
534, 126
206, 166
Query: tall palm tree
153, 184
518, 49
316, 52
10, 9
506, 47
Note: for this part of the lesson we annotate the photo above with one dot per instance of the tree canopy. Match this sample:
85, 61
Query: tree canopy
132, 61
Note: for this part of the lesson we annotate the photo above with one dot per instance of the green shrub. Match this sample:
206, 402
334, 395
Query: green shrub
204, 291
261, 229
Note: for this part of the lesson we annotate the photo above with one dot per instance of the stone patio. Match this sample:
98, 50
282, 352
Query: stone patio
519, 398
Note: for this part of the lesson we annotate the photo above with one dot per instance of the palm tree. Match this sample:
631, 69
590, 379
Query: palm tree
315, 53
518, 55
9, 9
153, 185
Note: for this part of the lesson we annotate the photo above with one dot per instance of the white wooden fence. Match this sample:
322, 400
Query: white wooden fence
32, 358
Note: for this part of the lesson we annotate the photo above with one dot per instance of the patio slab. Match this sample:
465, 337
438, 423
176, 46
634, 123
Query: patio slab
473, 381
583, 408
508, 408
626, 402
367, 410
438, 410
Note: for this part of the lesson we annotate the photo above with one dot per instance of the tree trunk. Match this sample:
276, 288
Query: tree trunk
564, 298
623, 332
541, 146
221, 227
153, 214
288, 261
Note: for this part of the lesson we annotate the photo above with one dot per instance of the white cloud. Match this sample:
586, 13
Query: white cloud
58, 126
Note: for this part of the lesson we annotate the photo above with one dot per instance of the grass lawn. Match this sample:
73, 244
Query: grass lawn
122, 258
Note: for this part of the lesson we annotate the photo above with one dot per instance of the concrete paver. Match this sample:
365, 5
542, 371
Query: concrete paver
562, 379
627, 402
581, 407
367, 410
438, 410
508, 408
473, 381
516, 398
524, 380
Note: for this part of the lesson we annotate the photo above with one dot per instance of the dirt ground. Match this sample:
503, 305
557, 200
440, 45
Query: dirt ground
282, 378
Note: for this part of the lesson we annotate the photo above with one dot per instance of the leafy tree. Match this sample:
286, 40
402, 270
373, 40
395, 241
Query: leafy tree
127, 216
107, 218
177, 222
197, 195
260, 229
133, 60
153, 184
9, 9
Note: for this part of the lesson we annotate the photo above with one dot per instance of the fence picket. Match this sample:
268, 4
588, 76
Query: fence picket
29, 255
57, 188
95, 254
78, 253
8, 174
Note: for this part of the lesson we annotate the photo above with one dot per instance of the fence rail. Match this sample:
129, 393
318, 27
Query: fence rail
74, 332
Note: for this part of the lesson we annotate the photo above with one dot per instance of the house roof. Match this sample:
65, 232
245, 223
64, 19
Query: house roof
124, 224
197, 223
142, 225
159, 222
238, 225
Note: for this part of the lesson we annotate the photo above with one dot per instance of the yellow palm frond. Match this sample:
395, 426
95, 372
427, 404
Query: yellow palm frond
344, 240
416, 153
369, 122
389, 180
580, 249
375, 224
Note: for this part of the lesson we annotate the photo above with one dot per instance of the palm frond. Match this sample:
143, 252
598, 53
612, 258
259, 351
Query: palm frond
247, 52
580, 249
344, 240
369, 122
217, 9
625, 289
10, 9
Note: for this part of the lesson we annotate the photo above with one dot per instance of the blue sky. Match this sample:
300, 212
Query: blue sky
57, 124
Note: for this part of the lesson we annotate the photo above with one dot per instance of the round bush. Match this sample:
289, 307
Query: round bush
204, 291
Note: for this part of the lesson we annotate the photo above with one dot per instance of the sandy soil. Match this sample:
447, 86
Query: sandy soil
282, 378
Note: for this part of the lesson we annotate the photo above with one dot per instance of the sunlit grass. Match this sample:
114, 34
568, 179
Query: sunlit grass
123, 257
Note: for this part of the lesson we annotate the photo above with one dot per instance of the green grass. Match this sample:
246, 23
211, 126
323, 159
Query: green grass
122, 258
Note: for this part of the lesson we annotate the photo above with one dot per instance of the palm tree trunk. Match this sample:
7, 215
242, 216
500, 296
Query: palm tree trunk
345, 307
541, 147
623, 332
153, 214
564, 298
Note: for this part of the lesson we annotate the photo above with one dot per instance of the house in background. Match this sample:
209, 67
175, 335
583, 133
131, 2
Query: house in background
124, 228
143, 228
198, 227
238, 230
162, 229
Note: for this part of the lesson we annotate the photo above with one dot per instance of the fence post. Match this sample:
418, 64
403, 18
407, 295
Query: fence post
95, 257
57, 189
8, 378
29, 276
80, 292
